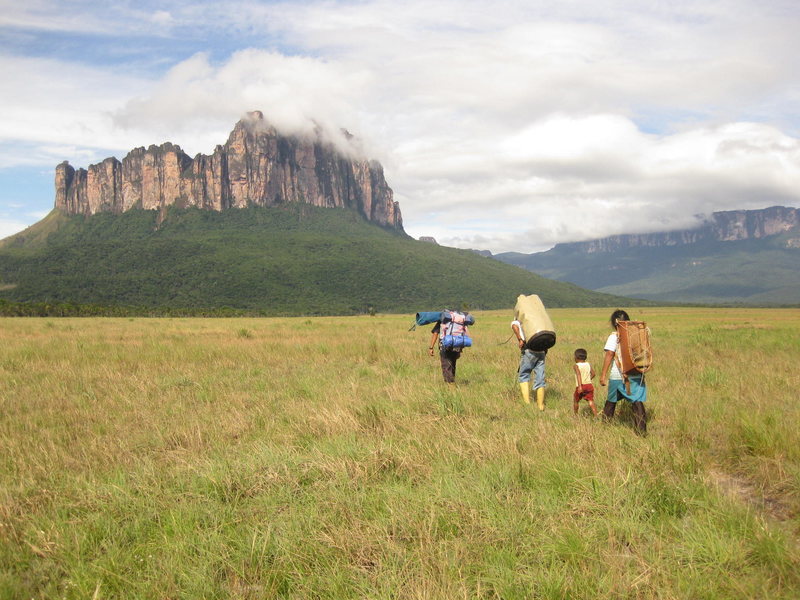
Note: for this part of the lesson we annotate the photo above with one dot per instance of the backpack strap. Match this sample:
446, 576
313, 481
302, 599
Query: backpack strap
619, 368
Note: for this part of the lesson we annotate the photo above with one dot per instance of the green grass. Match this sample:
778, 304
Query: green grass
324, 458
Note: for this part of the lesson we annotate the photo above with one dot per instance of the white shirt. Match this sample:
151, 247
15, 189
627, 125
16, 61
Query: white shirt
611, 346
518, 324
585, 370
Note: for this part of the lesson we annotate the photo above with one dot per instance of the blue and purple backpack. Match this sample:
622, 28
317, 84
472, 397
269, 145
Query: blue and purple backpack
453, 334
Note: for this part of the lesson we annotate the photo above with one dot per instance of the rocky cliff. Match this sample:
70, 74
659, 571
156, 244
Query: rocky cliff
256, 167
721, 226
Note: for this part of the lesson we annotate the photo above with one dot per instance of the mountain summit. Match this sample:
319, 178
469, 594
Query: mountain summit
256, 167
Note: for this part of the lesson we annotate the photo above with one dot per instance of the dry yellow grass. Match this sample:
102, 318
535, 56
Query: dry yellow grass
324, 458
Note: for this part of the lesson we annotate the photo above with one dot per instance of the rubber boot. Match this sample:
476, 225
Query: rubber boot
608, 410
525, 387
540, 397
639, 418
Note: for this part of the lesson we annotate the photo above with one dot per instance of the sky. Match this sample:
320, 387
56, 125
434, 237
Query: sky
501, 125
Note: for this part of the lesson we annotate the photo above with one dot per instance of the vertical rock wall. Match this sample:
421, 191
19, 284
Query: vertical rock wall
256, 167
724, 226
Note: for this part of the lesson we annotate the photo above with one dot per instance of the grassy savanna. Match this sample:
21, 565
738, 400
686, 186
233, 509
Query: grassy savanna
325, 458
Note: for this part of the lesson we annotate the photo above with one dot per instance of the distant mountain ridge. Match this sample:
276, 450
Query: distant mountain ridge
726, 226
745, 256
257, 166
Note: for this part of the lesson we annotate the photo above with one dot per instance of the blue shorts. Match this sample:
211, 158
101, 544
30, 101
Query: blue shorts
617, 391
531, 361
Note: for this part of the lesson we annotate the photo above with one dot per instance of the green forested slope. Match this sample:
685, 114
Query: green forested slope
288, 260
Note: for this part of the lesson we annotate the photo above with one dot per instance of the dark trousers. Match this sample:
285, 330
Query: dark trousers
639, 415
449, 358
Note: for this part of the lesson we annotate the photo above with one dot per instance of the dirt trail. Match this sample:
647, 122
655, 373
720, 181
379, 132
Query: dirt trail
748, 493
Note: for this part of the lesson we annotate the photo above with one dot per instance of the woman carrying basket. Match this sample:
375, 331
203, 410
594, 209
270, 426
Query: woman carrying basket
630, 387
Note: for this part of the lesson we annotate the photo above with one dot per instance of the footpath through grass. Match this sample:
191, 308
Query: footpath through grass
325, 458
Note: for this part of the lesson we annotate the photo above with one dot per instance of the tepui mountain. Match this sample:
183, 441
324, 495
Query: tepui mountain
256, 167
270, 223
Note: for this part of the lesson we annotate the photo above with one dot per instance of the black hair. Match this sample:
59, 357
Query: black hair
618, 315
580, 354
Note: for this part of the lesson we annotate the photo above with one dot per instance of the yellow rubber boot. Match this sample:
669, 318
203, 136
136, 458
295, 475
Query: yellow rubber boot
540, 397
526, 391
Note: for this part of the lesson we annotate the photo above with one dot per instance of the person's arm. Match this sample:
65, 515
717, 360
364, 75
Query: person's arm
578, 378
520, 340
434, 337
607, 360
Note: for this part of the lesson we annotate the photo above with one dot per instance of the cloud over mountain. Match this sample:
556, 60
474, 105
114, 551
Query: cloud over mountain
511, 126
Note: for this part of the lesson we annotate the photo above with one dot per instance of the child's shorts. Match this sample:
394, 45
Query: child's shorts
587, 393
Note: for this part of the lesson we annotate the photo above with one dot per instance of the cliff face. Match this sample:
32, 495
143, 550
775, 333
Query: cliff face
722, 226
255, 167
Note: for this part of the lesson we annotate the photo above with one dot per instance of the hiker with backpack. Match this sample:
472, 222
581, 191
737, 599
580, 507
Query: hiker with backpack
625, 381
530, 362
535, 335
452, 336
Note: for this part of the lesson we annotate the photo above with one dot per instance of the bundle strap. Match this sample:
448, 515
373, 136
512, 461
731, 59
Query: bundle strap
508, 340
619, 368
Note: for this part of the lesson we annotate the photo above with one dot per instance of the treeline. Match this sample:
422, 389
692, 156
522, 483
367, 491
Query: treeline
66, 309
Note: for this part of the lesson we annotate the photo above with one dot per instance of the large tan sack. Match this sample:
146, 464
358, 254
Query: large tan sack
536, 324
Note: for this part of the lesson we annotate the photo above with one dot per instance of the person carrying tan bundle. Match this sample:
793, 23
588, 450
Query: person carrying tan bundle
530, 361
535, 335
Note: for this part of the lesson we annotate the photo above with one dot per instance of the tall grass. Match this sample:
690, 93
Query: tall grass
325, 458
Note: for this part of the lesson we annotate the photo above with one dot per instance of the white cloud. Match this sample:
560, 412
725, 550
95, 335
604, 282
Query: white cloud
200, 102
39, 214
512, 125
121, 17
11, 226
162, 17
45, 15
572, 179
53, 107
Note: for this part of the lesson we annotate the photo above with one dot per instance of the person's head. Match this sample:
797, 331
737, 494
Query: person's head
618, 315
580, 355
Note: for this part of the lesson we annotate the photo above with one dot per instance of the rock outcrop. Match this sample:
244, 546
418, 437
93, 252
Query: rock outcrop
724, 226
256, 167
